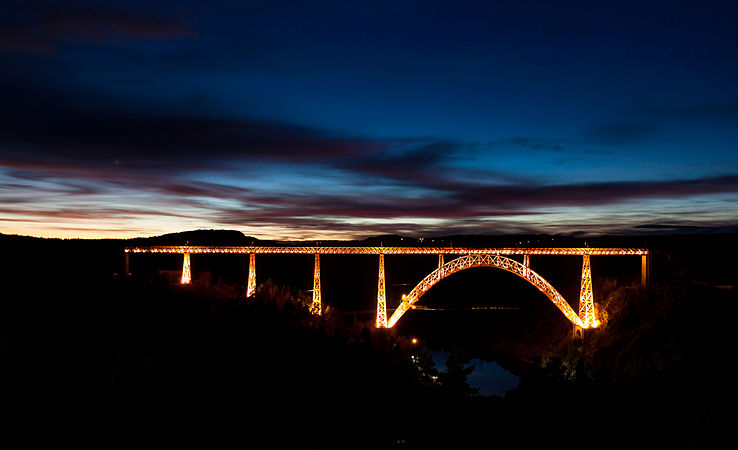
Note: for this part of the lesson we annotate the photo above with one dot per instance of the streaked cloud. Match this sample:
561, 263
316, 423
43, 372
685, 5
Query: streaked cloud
40, 27
138, 119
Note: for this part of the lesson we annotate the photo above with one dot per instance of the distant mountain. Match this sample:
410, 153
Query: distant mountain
198, 237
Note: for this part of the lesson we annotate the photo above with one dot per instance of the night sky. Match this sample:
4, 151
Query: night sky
317, 120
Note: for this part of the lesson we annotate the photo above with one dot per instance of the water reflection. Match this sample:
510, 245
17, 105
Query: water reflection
488, 376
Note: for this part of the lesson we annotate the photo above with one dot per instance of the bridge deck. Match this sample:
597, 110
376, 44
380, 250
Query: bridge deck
388, 250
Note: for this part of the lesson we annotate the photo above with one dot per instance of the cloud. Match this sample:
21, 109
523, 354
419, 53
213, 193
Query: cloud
62, 147
76, 153
411, 161
46, 124
686, 227
17, 39
57, 137
45, 128
472, 206
23, 214
593, 194
95, 24
84, 153
35, 27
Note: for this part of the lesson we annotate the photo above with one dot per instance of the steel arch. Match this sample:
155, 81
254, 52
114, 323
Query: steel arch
500, 262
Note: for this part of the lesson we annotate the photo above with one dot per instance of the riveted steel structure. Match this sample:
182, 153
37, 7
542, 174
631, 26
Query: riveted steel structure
470, 257
186, 270
586, 298
381, 297
313, 250
251, 285
501, 262
316, 307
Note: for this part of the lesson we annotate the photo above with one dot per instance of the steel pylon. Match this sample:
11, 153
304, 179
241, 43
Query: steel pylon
315, 307
186, 270
381, 297
251, 286
586, 297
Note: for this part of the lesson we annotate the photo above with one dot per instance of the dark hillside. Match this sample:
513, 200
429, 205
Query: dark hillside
81, 345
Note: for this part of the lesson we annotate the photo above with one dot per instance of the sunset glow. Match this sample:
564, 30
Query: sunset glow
125, 119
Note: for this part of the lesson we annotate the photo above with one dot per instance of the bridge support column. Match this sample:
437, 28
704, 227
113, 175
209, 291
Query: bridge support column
644, 270
381, 298
526, 263
127, 266
440, 260
586, 297
316, 307
251, 284
186, 270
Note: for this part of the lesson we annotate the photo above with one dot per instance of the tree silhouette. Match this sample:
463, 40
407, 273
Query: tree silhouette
454, 379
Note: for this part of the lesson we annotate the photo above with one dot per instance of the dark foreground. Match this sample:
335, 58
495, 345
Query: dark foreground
102, 360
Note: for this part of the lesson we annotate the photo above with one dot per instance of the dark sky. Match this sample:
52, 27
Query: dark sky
317, 120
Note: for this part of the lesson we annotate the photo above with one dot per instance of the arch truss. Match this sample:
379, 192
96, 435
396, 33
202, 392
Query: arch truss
498, 261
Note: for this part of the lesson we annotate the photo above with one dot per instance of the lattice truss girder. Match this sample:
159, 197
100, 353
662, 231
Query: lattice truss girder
501, 262
390, 250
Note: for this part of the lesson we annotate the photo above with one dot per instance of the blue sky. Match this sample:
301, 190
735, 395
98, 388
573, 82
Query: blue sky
348, 119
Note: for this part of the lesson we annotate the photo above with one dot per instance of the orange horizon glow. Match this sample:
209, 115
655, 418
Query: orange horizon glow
93, 233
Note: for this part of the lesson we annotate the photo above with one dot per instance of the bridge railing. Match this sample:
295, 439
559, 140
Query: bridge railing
388, 250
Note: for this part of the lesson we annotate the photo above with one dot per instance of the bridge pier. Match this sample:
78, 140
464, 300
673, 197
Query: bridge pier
577, 333
186, 270
586, 297
251, 284
381, 297
645, 260
316, 307
440, 260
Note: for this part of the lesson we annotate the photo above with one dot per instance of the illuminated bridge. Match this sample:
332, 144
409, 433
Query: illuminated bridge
466, 258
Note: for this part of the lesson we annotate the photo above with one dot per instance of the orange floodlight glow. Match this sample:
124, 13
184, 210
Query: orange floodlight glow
469, 257
186, 270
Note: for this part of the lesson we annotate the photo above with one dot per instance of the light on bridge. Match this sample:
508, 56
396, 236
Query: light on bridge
186, 270
472, 257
